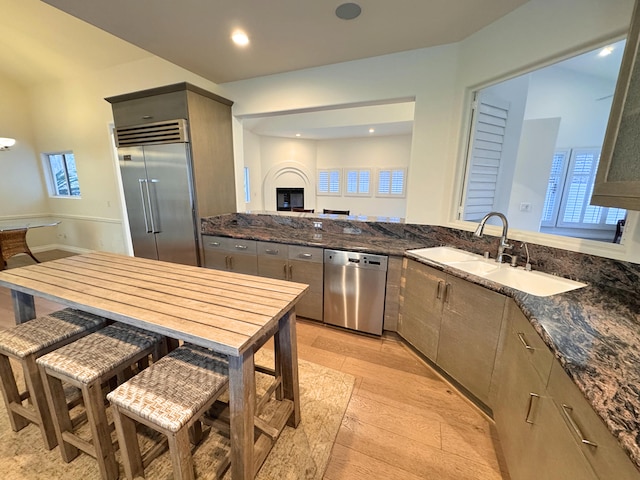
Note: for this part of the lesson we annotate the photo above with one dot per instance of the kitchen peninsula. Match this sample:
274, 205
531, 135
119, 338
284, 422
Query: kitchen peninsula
592, 332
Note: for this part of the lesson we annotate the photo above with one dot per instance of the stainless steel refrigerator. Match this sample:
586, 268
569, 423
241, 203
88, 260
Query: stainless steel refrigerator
158, 190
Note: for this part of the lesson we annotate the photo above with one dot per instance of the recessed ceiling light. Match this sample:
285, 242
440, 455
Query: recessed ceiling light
348, 11
371, 130
240, 38
608, 50
297, 134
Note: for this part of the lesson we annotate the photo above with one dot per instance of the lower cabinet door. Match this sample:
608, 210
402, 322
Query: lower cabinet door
216, 259
421, 309
243, 264
311, 273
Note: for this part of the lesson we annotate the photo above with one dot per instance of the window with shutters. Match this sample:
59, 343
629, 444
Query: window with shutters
358, 182
330, 182
391, 182
569, 192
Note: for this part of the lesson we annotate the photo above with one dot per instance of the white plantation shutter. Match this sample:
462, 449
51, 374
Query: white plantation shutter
329, 182
489, 126
358, 182
555, 187
391, 182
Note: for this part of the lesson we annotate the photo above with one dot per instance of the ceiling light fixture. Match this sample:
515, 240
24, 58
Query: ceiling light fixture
348, 11
608, 50
371, 130
240, 38
7, 143
298, 134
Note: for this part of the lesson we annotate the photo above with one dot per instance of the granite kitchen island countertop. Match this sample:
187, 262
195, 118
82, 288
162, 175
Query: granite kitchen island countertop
594, 331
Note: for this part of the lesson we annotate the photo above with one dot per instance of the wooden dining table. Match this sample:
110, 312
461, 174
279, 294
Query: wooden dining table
230, 313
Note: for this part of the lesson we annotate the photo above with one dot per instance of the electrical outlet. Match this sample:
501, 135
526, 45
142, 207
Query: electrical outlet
525, 207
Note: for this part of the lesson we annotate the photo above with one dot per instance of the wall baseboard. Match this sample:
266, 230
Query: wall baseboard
57, 246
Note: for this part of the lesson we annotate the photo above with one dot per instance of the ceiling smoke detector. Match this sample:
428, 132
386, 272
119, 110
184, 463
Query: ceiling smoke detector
348, 11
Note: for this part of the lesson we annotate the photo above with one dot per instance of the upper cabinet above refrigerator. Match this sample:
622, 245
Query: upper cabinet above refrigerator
618, 180
172, 177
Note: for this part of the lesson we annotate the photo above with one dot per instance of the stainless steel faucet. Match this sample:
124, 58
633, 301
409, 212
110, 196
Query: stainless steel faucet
503, 245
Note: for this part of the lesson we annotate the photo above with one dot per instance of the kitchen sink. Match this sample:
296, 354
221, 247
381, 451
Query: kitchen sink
533, 282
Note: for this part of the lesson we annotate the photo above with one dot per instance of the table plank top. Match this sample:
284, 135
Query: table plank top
222, 310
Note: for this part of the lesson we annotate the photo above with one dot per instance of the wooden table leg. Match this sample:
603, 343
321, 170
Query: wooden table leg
24, 307
288, 353
242, 400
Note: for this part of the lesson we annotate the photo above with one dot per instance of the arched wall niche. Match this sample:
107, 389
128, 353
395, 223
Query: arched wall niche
288, 174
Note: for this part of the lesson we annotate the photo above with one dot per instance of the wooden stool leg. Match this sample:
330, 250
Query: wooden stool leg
195, 432
97, 417
180, 451
11, 394
129, 447
277, 354
35, 386
61, 418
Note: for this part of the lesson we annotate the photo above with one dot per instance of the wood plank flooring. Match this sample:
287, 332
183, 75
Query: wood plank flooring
403, 421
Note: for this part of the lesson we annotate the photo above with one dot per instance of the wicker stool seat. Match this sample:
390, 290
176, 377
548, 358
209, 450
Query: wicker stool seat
25, 343
87, 364
170, 397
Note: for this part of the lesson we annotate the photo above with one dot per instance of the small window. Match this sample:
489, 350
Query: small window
247, 186
358, 182
391, 182
62, 174
329, 182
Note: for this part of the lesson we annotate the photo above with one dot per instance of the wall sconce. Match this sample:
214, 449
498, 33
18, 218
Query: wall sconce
7, 143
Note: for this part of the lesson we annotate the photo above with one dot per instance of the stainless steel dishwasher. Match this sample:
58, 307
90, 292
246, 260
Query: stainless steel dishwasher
354, 290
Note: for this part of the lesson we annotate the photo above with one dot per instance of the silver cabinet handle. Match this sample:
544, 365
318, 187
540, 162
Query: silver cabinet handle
566, 412
241, 247
214, 244
439, 289
144, 207
271, 251
227, 262
524, 342
230, 262
527, 418
306, 255
447, 292
290, 272
284, 271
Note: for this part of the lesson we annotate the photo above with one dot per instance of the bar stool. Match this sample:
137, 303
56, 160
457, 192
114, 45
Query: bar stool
87, 364
169, 397
25, 343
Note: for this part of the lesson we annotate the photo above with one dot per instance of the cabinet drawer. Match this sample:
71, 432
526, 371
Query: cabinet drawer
307, 254
531, 343
210, 242
607, 459
167, 106
236, 245
273, 250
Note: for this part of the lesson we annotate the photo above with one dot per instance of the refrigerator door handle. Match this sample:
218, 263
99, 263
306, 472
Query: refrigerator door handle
153, 218
144, 208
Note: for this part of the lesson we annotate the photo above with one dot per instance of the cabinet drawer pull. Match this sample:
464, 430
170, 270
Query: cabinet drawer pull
566, 412
527, 418
241, 247
306, 255
439, 290
447, 292
214, 244
271, 251
524, 342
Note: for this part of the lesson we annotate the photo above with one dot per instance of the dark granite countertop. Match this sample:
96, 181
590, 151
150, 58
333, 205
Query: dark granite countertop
594, 331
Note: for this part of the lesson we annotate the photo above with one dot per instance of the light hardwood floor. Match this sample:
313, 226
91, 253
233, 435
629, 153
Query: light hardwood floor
403, 421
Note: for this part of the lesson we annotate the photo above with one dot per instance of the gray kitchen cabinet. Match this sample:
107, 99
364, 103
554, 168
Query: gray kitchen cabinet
421, 307
617, 182
231, 254
454, 323
546, 427
469, 332
392, 295
297, 264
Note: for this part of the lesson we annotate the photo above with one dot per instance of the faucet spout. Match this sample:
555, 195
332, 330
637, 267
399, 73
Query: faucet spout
503, 245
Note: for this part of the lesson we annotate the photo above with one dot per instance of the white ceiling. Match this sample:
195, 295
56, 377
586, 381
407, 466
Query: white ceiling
285, 35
